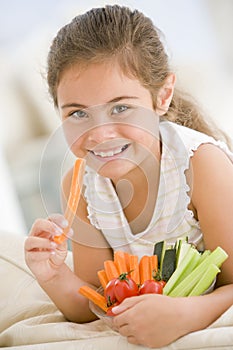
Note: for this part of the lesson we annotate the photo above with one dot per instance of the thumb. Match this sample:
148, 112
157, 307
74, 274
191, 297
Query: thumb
126, 304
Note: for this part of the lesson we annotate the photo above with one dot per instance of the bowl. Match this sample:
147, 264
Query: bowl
99, 312
210, 288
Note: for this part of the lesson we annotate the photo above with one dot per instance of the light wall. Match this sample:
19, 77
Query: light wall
196, 35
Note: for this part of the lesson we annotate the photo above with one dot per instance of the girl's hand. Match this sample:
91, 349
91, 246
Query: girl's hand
42, 255
154, 320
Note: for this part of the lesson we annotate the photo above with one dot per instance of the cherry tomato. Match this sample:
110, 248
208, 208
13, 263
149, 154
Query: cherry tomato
109, 311
125, 287
109, 292
151, 286
162, 282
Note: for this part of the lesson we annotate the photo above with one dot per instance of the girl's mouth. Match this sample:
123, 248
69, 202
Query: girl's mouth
110, 153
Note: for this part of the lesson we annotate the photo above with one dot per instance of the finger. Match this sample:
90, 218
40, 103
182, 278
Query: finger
132, 340
67, 232
44, 227
38, 243
59, 220
124, 330
65, 235
57, 257
130, 333
120, 321
127, 304
37, 256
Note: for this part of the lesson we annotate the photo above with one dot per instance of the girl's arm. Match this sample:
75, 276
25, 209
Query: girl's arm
58, 280
63, 287
212, 198
157, 320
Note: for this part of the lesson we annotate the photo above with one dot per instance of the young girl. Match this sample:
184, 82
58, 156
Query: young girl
155, 171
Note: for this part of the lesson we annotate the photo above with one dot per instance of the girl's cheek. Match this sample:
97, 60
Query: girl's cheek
72, 133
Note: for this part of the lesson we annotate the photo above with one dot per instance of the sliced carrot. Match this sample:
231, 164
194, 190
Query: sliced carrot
144, 269
102, 278
59, 239
153, 265
94, 296
120, 262
110, 269
134, 268
127, 260
74, 196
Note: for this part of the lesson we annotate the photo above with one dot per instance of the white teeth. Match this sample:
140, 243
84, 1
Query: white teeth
108, 153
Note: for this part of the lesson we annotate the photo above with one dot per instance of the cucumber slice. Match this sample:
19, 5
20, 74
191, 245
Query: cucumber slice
169, 264
159, 248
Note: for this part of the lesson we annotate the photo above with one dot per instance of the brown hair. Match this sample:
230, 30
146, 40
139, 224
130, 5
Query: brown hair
131, 39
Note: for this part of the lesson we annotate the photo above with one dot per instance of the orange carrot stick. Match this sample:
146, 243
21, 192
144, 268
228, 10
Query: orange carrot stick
110, 269
153, 265
119, 260
74, 196
127, 261
134, 268
94, 296
144, 269
102, 278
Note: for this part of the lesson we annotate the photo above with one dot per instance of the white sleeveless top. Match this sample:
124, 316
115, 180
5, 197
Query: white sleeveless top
171, 218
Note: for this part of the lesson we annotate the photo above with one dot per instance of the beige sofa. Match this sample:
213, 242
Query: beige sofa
29, 319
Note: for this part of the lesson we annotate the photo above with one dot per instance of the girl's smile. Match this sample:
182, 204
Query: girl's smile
110, 153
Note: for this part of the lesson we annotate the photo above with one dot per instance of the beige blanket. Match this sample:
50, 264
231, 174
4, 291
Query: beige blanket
29, 320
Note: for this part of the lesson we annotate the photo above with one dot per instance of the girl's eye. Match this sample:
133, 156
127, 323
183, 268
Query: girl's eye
119, 109
79, 115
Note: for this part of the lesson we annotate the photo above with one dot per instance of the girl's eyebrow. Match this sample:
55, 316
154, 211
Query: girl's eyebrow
115, 99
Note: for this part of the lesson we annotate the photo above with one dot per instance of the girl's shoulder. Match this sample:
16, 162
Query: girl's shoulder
180, 139
185, 134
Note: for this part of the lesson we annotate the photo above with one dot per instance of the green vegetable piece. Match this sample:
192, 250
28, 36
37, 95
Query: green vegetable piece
191, 266
184, 265
204, 255
205, 281
159, 250
182, 249
169, 264
217, 257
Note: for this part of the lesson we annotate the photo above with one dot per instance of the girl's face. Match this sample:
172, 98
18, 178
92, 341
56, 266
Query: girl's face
108, 118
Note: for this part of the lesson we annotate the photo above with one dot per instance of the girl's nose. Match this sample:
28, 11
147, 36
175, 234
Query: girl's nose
102, 133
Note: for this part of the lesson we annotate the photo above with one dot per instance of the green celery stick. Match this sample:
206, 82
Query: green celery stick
192, 265
179, 242
217, 257
182, 249
204, 255
190, 255
205, 281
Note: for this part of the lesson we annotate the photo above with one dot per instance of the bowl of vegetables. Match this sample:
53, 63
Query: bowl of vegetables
178, 270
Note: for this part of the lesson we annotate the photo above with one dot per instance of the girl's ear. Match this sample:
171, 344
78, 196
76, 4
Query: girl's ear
165, 94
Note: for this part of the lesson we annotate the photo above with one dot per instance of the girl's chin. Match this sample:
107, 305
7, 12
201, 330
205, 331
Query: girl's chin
114, 169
